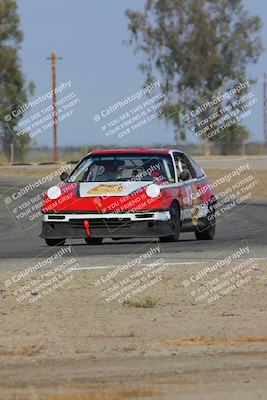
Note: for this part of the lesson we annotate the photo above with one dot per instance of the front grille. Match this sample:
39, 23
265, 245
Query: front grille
144, 215
109, 223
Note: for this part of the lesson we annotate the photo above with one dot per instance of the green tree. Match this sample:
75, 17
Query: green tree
13, 91
196, 48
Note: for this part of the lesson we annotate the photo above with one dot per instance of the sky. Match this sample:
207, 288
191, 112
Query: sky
89, 36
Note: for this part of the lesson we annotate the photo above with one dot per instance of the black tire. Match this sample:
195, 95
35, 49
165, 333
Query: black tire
93, 240
55, 242
208, 232
176, 225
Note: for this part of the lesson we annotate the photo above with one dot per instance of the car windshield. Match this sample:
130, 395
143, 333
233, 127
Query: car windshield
127, 167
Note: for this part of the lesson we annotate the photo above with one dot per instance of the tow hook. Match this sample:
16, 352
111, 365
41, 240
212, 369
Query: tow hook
87, 228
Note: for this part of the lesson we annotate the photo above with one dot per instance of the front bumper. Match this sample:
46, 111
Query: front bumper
124, 225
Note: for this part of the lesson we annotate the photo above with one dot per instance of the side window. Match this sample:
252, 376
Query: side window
182, 163
199, 171
80, 171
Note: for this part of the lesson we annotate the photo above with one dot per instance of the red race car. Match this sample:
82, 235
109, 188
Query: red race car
128, 193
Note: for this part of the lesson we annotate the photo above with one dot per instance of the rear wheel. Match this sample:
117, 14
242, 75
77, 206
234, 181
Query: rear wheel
176, 225
93, 240
55, 242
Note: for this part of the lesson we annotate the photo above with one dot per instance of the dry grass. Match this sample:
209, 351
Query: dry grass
119, 335
144, 302
29, 170
109, 393
227, 157
210, 340
260, 176
21, 350
3, 159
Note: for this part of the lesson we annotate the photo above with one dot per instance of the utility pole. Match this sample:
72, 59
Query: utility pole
54, 59
265, 106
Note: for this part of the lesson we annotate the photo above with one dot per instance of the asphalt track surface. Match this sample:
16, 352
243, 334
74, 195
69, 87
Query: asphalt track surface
18, 244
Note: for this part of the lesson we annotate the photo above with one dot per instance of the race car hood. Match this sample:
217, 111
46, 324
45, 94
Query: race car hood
102, 197
109, 189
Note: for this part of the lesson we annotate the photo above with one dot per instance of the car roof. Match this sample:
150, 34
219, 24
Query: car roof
141, 150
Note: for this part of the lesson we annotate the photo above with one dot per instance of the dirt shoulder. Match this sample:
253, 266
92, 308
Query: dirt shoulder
28, 170
237, 182
165, 343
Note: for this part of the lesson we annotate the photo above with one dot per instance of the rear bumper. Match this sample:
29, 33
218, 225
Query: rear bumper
149, 224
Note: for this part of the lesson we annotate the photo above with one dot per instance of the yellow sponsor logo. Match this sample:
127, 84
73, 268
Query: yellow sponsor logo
106, 189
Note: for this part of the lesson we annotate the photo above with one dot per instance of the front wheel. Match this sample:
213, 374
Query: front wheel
55, 242
176, 225
93, 240
208, 232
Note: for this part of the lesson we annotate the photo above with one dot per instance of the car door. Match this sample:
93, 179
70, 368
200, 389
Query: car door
185, 187
202, 187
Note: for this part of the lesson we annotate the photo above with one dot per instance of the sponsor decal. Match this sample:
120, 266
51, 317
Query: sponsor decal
106, 189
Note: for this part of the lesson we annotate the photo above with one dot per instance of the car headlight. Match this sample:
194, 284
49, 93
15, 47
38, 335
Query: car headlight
153, 190
54, 192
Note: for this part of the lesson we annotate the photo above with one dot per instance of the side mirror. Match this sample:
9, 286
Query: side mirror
64, 176
184, 175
